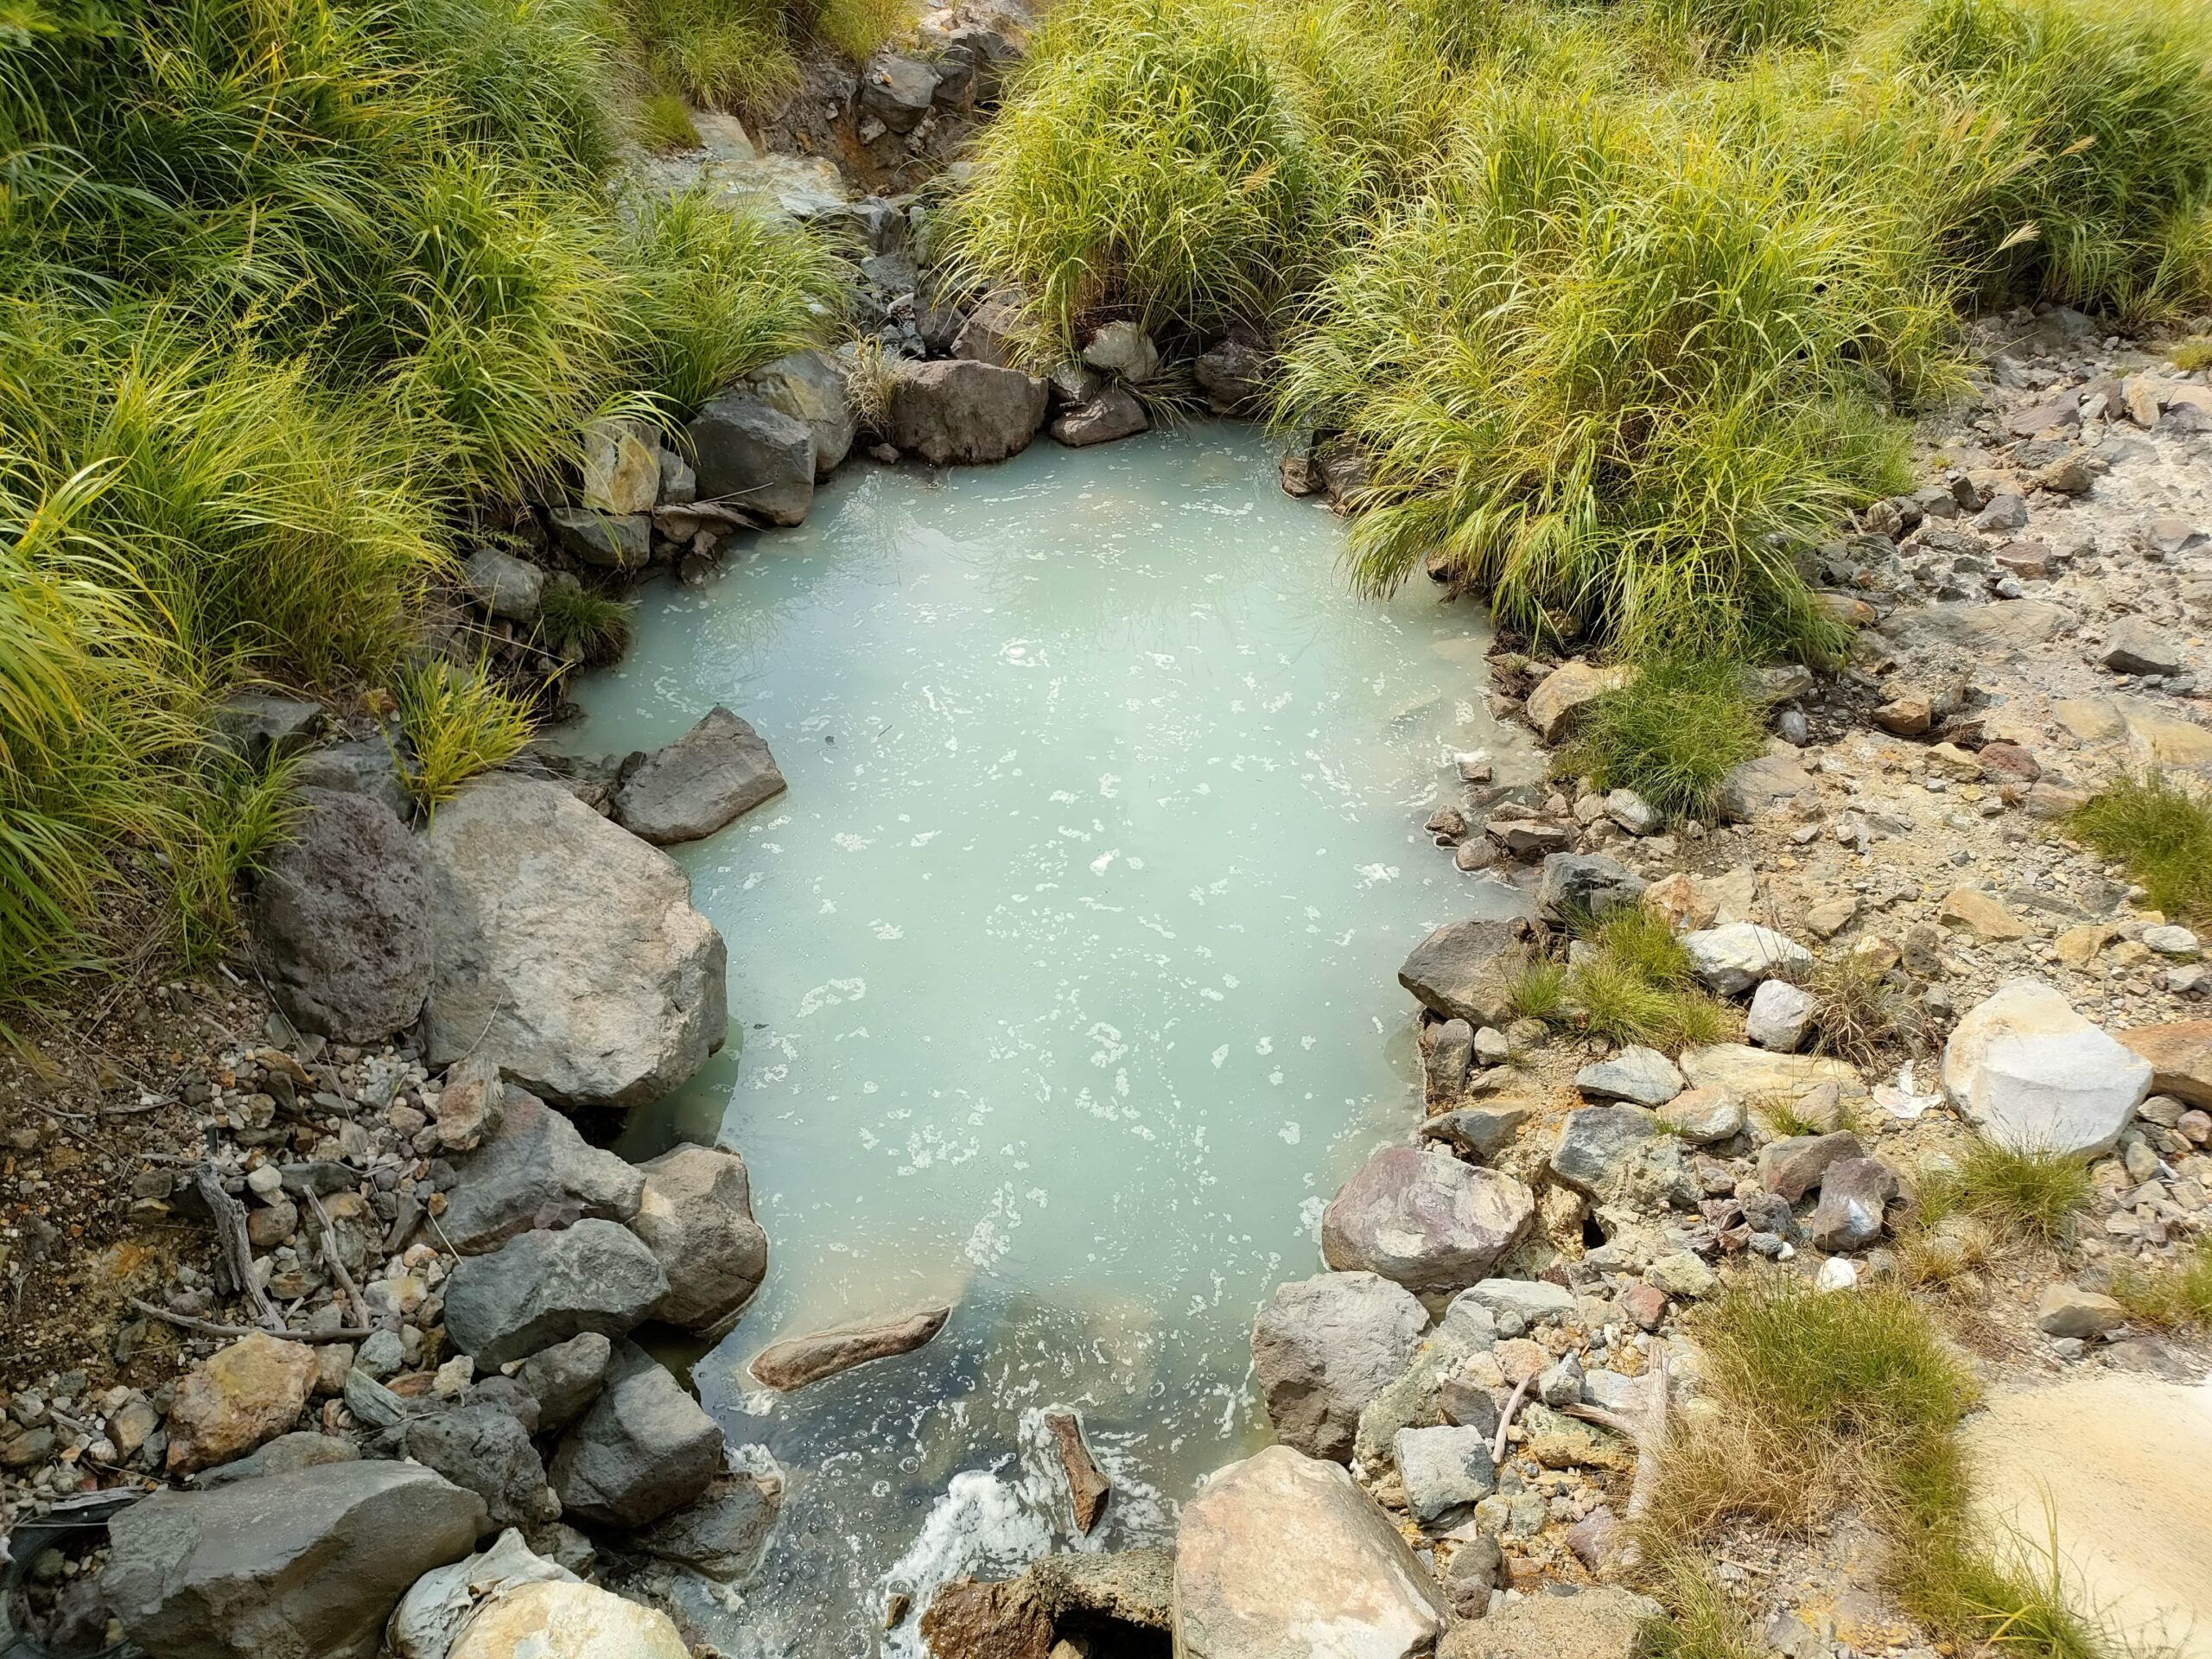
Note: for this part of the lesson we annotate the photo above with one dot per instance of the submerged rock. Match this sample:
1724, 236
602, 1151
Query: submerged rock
801, 1360
1322, 1348
1424, 1220
1283, 1557
710, 777
721, 1533
301, 1566
1114, 413
342, 913
566, 950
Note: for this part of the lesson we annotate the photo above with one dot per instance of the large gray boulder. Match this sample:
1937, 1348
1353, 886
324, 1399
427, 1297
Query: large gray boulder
960, 412
342, 913
1423, 1218
1114, 413
540, 1288
2034, 1076
300, 1566
485, 1450
644, 1449
1323, 1347
716, 772
808, 386
751, 457
697, 1219
566, 950
535, 1171
1461, 971
1283, 1557
1234, 374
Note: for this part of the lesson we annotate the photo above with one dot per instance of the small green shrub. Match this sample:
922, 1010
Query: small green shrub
856, 28
2036, 1195
1633, 984
2161, 832
2193, 355
231, 814
664, 123
585, 623
459, 722
1537, 990
1672, 733
729, 54
2169, 1296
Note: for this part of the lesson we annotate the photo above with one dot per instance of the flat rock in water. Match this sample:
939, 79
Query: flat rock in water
567, 951
1322, 1348
2034, 1076
534, 1171
1283, 1557
301, 1566
1460, 971
1423, 1218
801, 1360
1088, 1489
644, 1449
341, 915
540, 1288
720, 1534
710, 777
697, 1219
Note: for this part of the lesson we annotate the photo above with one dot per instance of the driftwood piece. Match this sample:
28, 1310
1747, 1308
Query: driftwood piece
1088, 1489
1505, 1418
216, 1328
331, 1258
236, 1251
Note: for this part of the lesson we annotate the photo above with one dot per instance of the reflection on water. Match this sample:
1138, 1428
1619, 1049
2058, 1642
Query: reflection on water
1063, 974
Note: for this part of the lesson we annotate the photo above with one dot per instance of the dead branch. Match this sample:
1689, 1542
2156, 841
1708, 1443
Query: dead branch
216, 1328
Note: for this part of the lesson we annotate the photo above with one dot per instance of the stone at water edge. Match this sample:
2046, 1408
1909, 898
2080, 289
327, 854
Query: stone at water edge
1556, 704
535, 1170
1233, 374
301, 1566
1642, 1076
1283, 1557
2180, 1056
721, 1533
1481, 1132
621, 468
1113, 414
751, 457
798, 1361
341, 919
697, 1219
1736, 955
1460, 971
1424, 1220
709, 777
1123, 348
566, 950
540, 1288
249, 1392
561, 1620
1088, 1489
2034, 1076
1324, 1347
809, 387
644, 1449
963, 413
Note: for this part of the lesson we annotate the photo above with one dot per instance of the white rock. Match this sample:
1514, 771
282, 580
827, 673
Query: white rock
1837, 1273
2035, 1076
1737, 956
1631, 811
2170, 941
1781, 1015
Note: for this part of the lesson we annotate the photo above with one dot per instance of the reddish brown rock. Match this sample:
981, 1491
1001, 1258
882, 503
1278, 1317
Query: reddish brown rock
1088, 1489
992, 1620
247, 1393
2180, 1056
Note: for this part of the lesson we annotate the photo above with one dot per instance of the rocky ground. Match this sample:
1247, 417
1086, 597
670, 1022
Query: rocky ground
313, 1256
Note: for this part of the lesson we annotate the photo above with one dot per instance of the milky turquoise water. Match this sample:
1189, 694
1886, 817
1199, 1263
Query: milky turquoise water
1065, 972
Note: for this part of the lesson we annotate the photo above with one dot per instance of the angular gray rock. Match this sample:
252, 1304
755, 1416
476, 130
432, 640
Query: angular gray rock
1854, 1192
259, 726
644, 1449
1584, 884
535, 1171
710, 777
1448, 1471
2034, 1076
1324, 1347
751, 457
720, 1534
809, 386
1481, 1132
566, 951
1735, 956
1531, 1300
342, 913
610, 541
540, 1288
1641, 1076
2069, 1311
2133, 646
963, 413
369, 768
566, 1377
1426, 1220
487, 1451
1793, 1167
1461, 971
300, 1566
1781, 1015
1114, 413
1123, 348
1283, 1557
896, 90
697, 1219
504, 586
1234, 375
1595, 1145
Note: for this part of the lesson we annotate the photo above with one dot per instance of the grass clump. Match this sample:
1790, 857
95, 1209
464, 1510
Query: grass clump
1630, 983
2030, 1195
459, 722
1857, 1014
585, 624
1537, 990
664, 123
2161, 832
2193, 355
2170, 1295
1672, 733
